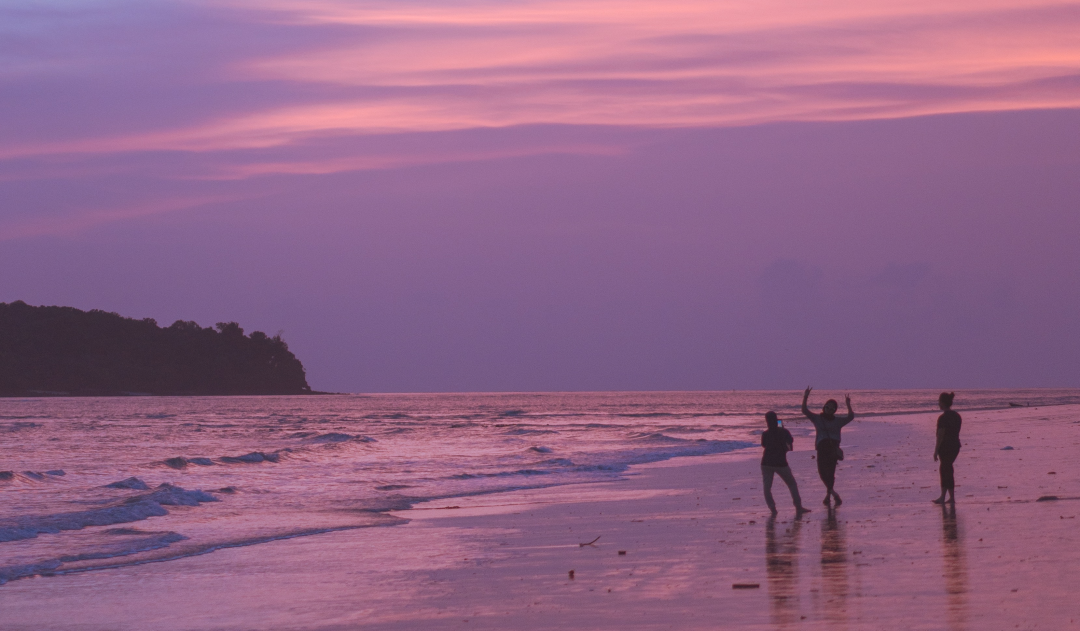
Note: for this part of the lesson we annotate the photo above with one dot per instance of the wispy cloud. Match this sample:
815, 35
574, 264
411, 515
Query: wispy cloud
71, 221
337, 67
688, 63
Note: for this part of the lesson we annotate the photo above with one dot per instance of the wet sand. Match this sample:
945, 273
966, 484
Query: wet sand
691, 529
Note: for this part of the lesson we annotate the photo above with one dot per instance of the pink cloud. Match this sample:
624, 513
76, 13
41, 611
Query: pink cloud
322, 166
427, 66
686, 64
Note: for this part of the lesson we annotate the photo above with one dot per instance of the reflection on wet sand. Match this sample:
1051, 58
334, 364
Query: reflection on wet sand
954, 558
782, 569
834, 569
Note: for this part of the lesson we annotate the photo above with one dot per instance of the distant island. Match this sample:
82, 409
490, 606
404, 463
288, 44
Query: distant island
63, 351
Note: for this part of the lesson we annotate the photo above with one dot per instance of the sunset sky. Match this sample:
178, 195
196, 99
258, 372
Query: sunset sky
542, 195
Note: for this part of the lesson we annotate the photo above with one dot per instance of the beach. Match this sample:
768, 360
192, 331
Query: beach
691, 529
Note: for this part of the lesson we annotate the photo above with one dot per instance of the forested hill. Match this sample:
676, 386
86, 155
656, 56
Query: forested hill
66, 351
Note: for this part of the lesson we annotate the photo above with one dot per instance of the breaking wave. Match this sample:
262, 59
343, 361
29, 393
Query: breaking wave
131, 509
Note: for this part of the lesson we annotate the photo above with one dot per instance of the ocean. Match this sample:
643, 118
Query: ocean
93, 483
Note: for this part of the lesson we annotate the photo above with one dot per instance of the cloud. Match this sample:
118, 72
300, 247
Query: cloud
73, 221
693, 63
206, 77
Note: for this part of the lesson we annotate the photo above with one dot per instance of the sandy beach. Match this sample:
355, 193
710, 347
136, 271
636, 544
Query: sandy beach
691, 528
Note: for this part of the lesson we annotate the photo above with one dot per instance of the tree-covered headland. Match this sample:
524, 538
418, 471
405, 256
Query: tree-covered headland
66, 351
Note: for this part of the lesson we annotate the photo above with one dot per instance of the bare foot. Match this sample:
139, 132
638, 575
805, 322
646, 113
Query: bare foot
799, 510
940, 500
826, 500
837, 496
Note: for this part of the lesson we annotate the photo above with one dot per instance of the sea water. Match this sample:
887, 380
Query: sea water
91, 483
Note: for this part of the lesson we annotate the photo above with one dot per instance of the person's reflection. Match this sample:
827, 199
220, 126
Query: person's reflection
834, 568
782, 568
955, 561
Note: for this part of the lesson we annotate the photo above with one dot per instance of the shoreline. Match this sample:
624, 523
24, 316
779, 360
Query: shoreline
691, 528
886, 518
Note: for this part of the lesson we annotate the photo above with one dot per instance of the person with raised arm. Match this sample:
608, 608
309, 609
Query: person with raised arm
948, 445
828, 440
777, 441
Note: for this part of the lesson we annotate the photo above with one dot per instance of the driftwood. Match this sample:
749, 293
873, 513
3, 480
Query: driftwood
582, 545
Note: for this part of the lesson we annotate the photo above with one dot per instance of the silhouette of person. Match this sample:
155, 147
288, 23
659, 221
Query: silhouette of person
947, 447
777, 441
828, 441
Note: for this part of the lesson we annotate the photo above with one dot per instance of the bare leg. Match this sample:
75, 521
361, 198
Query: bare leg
944, 483
948, 481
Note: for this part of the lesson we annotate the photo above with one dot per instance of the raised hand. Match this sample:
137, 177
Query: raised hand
805, 398
847, 400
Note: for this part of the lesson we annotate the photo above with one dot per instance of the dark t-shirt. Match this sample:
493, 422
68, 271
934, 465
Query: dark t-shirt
775, 442
948, 429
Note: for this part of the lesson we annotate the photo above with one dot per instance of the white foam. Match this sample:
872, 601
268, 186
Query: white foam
135, 508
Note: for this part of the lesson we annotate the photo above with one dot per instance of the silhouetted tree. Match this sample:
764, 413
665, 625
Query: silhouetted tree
63, 350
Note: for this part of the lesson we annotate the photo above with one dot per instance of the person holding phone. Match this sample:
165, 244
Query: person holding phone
828, 440
777, 441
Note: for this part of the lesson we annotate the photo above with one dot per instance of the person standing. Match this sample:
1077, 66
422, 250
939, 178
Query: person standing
828, 440
777, 441
948, 445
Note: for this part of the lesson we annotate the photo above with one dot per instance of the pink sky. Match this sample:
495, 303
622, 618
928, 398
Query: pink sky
560, 195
